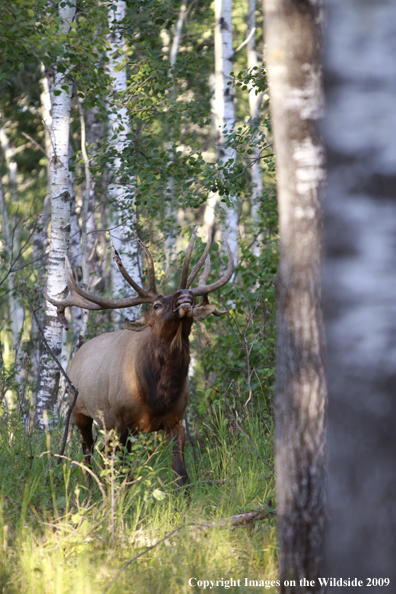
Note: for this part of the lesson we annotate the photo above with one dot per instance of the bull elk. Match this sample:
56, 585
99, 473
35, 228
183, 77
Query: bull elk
136, 379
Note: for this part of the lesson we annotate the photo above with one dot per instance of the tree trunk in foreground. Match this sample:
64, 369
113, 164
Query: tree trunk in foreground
48, 380
296, 101
360, 290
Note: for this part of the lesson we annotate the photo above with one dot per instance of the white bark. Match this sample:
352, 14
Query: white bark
46, 99
84, 217
123, 216
359, 288
16, 312
94, 131
224, 116
76, 313
177, 36
40, 245
177, 33
254, 107
60, 228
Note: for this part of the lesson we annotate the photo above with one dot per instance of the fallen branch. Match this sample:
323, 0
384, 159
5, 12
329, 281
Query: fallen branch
245, 518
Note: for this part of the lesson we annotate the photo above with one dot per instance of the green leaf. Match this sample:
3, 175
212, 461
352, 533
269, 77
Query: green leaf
158, 494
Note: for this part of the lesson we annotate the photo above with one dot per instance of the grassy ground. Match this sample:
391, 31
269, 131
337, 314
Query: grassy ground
58, 535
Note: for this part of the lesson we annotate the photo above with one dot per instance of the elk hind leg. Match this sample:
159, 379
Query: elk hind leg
176, 433
84, 425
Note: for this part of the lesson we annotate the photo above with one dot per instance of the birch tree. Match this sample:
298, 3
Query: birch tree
123, 218
254, 107
174, 49
360, 289
16, 311
48, 380
293, 68
40, 236
224, 115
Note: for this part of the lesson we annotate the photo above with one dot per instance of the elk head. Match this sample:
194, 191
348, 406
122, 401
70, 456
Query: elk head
166, 313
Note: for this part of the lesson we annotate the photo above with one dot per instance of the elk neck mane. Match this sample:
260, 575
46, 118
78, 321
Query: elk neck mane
165, 369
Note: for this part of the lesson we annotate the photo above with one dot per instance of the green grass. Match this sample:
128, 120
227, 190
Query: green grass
59, 535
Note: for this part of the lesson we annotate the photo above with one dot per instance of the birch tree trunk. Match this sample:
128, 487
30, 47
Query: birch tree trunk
174, 240
46, 99
76, 313
254, 107
94, 132
16, 312
296, 102
224, 115
360, 289
48, 380
123, 217
40, 236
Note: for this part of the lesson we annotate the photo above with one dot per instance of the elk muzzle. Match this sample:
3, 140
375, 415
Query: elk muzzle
183, 303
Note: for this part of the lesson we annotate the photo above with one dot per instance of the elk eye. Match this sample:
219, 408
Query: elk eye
157, 305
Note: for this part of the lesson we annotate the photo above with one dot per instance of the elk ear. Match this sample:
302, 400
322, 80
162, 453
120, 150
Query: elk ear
135, 325
200, 312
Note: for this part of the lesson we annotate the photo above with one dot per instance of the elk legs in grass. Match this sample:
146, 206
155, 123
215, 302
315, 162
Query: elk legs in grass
176, 435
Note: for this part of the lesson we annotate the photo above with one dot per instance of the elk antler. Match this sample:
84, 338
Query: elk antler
202, 283
202, 259
185, 282
81, 298
186, 263
203, 288
150, 265
152, 292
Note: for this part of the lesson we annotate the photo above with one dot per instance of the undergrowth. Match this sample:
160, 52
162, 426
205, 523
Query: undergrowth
60, 534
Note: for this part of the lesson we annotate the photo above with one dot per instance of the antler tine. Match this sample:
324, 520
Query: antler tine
202, 282
206, 271
186, 263
200, 262
112, 303
81, 298
128, 278
150, 266
203, 289
73, 298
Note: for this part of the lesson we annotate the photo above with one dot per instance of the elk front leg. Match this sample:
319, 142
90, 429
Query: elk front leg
176, 433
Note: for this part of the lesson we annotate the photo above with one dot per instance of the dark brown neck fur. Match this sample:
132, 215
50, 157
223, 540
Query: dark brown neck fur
165, 369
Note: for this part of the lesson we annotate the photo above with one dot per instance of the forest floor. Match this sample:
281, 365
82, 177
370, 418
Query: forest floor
60, 535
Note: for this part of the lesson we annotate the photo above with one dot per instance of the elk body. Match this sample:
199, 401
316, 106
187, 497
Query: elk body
136, 379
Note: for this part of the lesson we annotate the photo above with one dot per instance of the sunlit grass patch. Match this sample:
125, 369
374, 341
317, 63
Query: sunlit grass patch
60, 535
